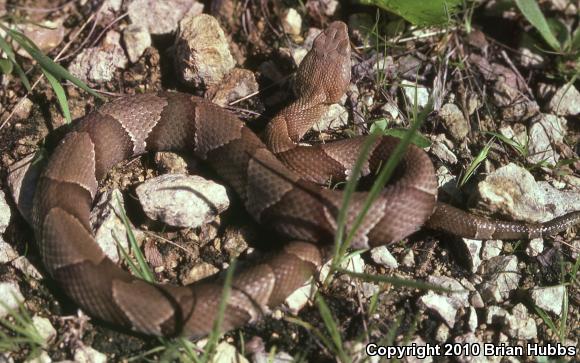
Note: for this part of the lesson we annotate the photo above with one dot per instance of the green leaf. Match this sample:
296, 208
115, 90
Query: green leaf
12, 57
479, 159
60, 95
417, 139
212, 342
560, 31
399, 132
48, 64
533, 14
575, 40
6, 66
418, 12
142, 270
332, 329
522, 149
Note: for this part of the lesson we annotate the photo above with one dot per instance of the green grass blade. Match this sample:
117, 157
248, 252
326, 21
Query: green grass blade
339, 243
332, 329
60, 95
209, 349
522, 149
575, 41
135, 270
46, 63
399, 132
533, 14
546, 318
23, 328
12, 57
480, 158
143, 270
387, 170
6, 67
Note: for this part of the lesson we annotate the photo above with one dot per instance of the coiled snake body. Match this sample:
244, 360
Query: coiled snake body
277, 184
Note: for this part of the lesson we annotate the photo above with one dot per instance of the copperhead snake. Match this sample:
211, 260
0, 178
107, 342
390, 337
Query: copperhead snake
278, 185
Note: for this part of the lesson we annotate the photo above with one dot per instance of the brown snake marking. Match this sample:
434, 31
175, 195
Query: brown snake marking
277, 184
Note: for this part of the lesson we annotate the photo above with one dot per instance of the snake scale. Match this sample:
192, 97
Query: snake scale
276, 179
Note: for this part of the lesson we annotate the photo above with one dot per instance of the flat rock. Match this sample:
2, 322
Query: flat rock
199, 271
7, 253
237, 84
182, 200
136, 39
443, 152
334, 119
44, 328
520, 325
4, 212
408, 259
235, 240
442, 333
544, 132
161, 17
23, 264
502, 276
472, 321
168, 162
476, 300
11, 296
454, 121
382, 256
301, 297
42, 357
566, 101
98, 64
22, 180
559, 202
84, 354
473, 248
203, 55
535, 247
446, 305
110, 231
530, 59
353, 264
109, 10
491, 248
419, 342
256, 348
422, 93
549, 298
46, 35
512, 191
408, 67
517, 324
509, 97
225, 352
291, 22
22, 109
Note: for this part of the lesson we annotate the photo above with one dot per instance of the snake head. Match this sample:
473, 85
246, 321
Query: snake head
325, 71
